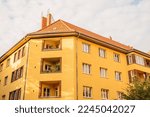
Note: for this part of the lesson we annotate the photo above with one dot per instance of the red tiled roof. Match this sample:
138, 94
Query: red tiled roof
63, 26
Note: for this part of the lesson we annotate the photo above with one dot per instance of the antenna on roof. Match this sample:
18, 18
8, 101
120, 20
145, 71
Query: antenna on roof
110, 37
42, 14
48, 11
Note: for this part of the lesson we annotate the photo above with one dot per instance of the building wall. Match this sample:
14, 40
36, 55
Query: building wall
71, 75
94, 80
66, 76
7, 71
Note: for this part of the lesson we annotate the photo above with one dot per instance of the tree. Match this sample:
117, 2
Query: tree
138, 91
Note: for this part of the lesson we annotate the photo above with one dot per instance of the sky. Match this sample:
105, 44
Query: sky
126, 21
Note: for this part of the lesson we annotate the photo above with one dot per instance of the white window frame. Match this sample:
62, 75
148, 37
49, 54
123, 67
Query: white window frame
118, 75
103, 72
86, 68
119, 95
116, 57
87, 92
139, 60
46, 92
85, 47
102, 53
104, 94
130, 59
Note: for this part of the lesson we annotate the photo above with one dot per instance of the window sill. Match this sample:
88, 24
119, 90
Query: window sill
50, 97
44, 72
104, 77
119, 80
55, 49
87, 74
88, 97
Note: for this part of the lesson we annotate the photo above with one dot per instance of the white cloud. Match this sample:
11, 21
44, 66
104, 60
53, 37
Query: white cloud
127, 21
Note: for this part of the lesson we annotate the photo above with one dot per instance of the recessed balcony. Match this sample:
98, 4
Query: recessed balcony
51, 65
50, 89
52, 44
137, 75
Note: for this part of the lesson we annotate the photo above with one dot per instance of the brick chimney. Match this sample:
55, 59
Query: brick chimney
49, 19
44, 22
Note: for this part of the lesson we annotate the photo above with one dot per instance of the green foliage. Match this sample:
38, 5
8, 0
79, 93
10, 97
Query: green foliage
138, 91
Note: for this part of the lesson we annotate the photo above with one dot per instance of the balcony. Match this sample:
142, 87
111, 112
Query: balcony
52, 44
135, 59
137, 75
50, 89
51, 65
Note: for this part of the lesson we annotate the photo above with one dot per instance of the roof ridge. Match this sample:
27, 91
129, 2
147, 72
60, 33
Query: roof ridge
66, 25
108, 39
48, 25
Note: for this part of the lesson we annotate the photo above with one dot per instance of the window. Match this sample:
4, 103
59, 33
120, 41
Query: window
120, 95
1, 67
86, 68
3, 97
86, 47
15, 95
56, 92
23, 51
103, 72
117, 75
46, 92
15, 57
6, 80
87, 92
8, 62
102, 53
17, 74
19, 52
47, 68
130, 59
131, 76
116, 57
104, 94
139, 60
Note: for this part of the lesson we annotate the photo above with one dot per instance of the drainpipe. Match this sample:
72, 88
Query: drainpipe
26, 71
77, 66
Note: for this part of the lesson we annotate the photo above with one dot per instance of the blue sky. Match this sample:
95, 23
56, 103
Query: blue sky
126, 21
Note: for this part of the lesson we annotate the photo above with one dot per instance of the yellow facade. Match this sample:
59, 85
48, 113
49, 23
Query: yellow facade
55, 67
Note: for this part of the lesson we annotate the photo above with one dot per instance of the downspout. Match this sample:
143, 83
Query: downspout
77, 66
26, 71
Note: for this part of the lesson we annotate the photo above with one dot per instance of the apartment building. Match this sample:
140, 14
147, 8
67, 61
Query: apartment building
62, 61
